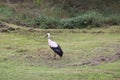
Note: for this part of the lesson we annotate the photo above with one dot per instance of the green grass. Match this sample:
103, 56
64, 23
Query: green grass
26, 55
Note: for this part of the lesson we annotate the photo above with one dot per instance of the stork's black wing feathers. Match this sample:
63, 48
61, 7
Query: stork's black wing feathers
57, 50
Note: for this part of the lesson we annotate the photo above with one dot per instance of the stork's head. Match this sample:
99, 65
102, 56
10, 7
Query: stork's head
48, 35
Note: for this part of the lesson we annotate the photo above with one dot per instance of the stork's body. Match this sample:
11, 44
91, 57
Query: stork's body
55, 47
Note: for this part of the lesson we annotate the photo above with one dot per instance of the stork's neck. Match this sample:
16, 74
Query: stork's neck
49, 40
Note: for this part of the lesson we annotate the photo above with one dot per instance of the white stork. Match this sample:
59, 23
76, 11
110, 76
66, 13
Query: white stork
54, 46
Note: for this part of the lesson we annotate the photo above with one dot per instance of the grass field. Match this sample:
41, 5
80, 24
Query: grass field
25, 54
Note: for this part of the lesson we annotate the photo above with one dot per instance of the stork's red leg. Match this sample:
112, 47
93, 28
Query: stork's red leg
55, 55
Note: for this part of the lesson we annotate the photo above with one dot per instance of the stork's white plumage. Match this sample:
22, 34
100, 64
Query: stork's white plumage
52, 43
55, 47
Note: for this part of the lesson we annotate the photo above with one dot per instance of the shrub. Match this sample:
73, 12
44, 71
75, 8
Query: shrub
47, 22
113, 19
6, 13
67, 23
91, 18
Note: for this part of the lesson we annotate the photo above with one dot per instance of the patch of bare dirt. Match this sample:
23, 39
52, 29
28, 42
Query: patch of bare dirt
101, 59
85, 31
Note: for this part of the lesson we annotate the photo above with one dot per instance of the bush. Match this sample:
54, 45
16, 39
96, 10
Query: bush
47, 22
88, 19
92, 18
5, 13
113, 19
